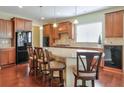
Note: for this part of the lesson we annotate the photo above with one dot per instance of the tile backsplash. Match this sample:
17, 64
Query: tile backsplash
5, 43
64, 39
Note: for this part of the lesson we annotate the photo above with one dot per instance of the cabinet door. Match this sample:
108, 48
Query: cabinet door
28, 25
118, 24
19, 24
4, 57
11, 56
9, 29
0, 28
108, 25
46, 29
70, 32
55, 33
3, 28
63, 27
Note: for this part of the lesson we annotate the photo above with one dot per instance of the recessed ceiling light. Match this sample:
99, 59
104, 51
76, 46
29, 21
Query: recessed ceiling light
20, 6
42, 18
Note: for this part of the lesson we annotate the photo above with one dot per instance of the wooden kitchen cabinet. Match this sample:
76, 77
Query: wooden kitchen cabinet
2, 28
28, 25
118, 24
19, 24
108, 25
114, 24
9, 29
22, 24
12, 57
6, 28
64, 27
55, 34
4, 25
7, 56
4, 57
47, 30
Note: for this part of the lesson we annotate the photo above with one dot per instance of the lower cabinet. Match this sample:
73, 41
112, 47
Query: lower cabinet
7, 56
11, 56
4, 57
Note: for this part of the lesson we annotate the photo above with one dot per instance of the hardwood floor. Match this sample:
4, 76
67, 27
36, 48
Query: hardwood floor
111, 79
18, 76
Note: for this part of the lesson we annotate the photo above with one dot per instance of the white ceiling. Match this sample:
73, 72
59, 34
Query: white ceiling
61, 12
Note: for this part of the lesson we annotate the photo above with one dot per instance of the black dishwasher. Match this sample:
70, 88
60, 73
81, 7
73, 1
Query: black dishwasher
113, 56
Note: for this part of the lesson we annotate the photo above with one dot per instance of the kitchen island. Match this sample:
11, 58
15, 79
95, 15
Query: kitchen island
69, 57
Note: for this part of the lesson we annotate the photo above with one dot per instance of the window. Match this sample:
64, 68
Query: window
89, 32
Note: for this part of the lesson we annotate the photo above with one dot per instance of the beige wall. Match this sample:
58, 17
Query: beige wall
36, 36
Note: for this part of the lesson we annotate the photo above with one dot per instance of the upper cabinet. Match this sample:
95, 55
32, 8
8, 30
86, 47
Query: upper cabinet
114, 24
6, 29
9, 29
47, 29
48, 32
55, 33
65, 27
28, 25
22, 24
19, 24
2, 28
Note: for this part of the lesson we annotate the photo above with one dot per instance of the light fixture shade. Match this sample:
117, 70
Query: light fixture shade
42, 18
55, 25
75, 21
41, 27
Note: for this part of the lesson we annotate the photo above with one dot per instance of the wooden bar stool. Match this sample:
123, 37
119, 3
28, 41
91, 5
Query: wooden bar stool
40, 63
87, 67
31, 59
54, 66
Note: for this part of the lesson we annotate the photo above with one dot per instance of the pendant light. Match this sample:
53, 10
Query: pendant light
42, 18
55, 24
75, 20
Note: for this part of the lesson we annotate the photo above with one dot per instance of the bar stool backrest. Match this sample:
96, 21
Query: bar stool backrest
88, 62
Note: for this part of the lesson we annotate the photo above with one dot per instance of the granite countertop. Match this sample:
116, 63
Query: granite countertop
67, 53
79, 47
6, 48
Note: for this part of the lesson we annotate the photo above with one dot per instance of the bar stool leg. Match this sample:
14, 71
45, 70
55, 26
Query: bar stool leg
93, 84
83, 83
75, 82
50, 78
61, 78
